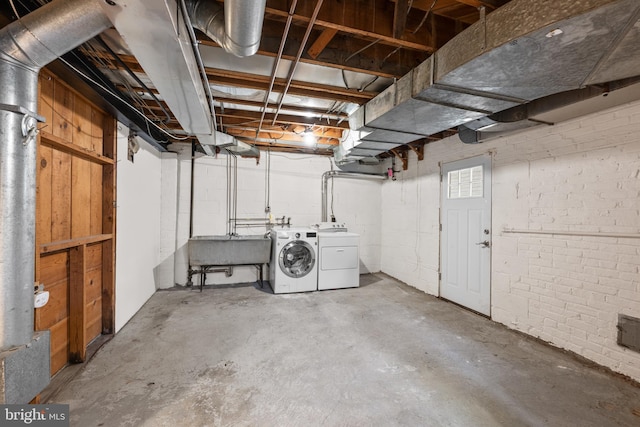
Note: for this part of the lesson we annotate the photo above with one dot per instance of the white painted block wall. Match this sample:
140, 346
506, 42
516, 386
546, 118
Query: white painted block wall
580, 176
137, 226
295, 193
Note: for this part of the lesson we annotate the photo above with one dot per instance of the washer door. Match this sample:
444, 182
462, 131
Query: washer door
297, 258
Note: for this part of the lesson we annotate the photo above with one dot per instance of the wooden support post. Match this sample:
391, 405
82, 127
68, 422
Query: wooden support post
109, 227
77, 301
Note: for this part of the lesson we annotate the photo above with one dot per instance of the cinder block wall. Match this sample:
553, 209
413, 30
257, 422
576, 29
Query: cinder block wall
138, 221
295, 192
581, 176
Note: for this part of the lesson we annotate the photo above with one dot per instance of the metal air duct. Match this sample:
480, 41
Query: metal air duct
26, 46
519, 53
237, 28
174, 64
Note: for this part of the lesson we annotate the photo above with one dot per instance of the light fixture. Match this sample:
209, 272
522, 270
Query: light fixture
308, 136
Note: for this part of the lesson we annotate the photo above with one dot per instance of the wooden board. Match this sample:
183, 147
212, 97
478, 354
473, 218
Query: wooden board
59, 345
80, 198
75, 203
54, 271
93, 292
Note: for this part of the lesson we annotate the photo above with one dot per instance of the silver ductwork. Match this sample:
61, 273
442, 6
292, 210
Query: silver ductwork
174, 64
237, 28
519, 53
26, 46
341, 174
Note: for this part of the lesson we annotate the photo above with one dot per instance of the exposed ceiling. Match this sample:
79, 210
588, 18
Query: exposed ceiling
373, 77
354, 50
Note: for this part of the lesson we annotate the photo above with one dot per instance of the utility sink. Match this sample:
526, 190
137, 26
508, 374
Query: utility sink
229, 250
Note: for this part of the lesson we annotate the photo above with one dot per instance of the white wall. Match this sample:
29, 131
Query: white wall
295, 193
581, 175
137, 226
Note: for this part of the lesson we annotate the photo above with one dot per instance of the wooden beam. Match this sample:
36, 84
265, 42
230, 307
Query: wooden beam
77, 277
109, 227
261, 82
285, 107
289, 148
403, 155
480, 3
418, 148
60, 144
278, 137
400, 18
48, 248
321, 42
297, 87
244, 117
369, 35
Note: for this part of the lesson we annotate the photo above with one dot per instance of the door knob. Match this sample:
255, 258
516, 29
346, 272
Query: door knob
484, 244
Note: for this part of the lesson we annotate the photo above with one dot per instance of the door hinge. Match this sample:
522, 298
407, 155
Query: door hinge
440, 227
440, 276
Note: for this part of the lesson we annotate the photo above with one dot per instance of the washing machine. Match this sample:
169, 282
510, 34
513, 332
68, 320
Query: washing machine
293, 266
338, 257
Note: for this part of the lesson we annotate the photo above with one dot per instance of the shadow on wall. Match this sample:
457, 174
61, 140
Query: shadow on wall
364, 269
163, 273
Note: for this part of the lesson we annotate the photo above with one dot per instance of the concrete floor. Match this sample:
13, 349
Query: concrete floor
380, 355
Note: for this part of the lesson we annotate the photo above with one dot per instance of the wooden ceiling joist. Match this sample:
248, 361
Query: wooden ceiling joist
261, 82
313, 61
255, 116
270, 13
400, 17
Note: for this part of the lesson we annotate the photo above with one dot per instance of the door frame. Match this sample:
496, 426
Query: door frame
484, 158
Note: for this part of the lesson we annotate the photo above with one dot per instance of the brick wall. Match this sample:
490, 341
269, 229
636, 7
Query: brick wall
581, 177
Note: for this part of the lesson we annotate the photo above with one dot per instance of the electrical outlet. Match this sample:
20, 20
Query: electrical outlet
41, 299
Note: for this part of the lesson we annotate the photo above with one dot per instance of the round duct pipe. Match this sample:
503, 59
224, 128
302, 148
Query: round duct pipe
237, 28
26, 46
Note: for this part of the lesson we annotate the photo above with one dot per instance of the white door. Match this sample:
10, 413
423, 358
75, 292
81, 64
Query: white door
465, 262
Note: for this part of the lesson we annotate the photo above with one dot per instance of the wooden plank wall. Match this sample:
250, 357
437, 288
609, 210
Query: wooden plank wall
75, 224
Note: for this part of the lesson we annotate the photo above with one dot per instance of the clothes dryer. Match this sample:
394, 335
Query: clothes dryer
339, 260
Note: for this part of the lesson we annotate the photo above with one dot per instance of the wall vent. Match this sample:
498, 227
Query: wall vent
629, 332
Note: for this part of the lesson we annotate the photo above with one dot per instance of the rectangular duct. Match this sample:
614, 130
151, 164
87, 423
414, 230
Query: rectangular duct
156, 34
24, 370
511, 57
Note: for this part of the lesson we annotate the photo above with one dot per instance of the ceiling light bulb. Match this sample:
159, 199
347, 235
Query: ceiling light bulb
309, 138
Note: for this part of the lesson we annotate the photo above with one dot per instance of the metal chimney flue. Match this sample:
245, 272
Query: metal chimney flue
26, 46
